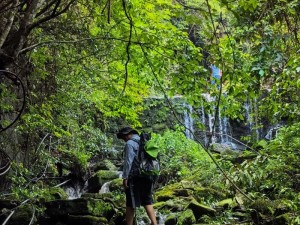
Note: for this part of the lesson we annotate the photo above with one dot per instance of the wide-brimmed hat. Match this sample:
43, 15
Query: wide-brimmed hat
125, 131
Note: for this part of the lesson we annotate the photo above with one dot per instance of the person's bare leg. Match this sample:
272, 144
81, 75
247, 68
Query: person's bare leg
151, 214
129, 215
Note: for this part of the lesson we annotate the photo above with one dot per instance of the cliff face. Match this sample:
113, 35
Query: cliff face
201, 124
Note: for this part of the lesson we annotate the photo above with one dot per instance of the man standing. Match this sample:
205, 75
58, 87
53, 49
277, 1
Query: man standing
138, 189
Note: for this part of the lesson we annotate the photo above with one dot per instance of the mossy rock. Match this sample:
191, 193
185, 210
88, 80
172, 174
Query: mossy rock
187, 188
183, 193
171, 219
187, 184
108, 174
81, 206
22, 216
159, 205
280, 220
58, 193
164, 195
115, 199
116, 185
101, 177
86, 220
105, 165
241, 215
53, 194
178, 204
92, 195
226, 203
203, 192
199, 209
223, 149
8, 203
186, 218
183, 188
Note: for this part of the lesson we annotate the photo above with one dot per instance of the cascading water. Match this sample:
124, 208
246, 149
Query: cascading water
188, 121
105, 188
252, 123
74, 191
203, 122
247, 107
161, 218
256, 122
208, 120
272, 132
227, 132
221, 129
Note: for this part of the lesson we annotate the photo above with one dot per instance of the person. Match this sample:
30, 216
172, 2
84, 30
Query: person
138, 189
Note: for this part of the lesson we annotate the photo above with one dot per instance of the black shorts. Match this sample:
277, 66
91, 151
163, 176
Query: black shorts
140, 191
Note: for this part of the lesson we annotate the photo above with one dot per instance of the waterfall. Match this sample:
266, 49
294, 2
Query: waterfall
252, 125
256, 122
223, 129
74, 191
247, 107
272, 132
225, 132
161, 219
210, 118
226, 124
204, 123
188, 121
249, 118
223, 126
120, 173
105, 188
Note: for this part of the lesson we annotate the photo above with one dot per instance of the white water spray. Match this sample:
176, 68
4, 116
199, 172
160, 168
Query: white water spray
188, 121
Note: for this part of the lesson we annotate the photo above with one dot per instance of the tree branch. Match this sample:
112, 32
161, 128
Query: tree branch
128, 44
48, 6
190, 7
77, 41
6, 6
9, 22
51, 16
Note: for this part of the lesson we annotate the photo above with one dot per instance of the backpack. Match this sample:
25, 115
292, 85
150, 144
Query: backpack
148, 156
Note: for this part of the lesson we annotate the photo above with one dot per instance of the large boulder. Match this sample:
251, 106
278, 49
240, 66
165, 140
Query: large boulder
86, 220
186, 218
199, 209
22, 215
173, 205
81, 206
226, 203
101, 177
104, 165
187, 188
171, 219
116, 185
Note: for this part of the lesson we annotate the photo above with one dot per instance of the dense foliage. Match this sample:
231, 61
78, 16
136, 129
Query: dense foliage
87, 67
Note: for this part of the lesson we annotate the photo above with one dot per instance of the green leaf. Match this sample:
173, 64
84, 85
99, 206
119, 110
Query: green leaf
261, 72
